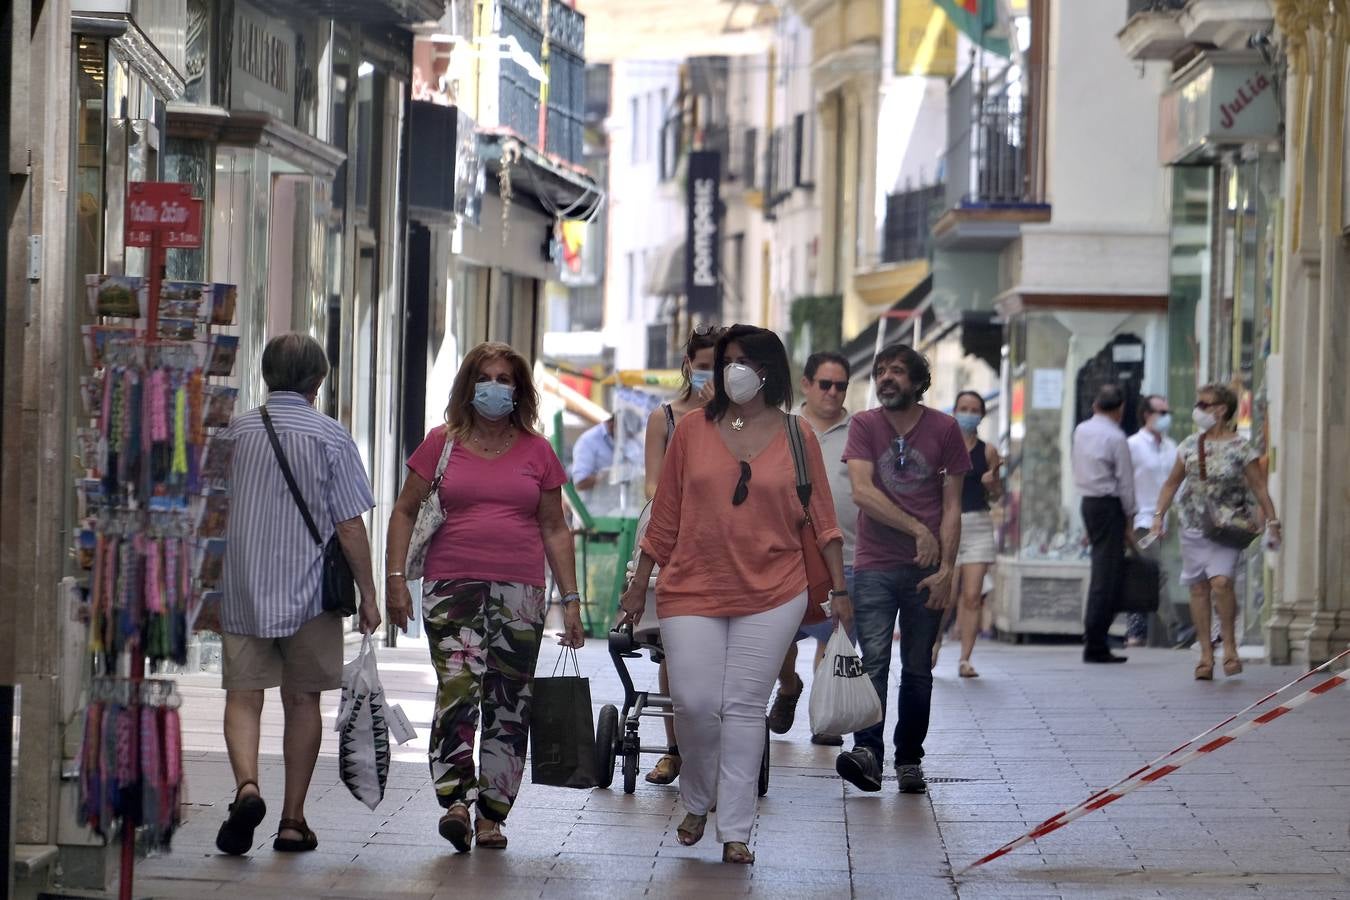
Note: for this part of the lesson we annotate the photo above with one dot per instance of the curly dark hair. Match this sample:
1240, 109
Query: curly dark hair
920, 375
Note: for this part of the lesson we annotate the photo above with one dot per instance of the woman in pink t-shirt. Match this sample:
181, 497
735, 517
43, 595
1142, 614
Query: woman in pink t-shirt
483, 597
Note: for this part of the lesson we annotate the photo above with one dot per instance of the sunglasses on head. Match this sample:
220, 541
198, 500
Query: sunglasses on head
742, 486
901, 453
706, 330
825, 384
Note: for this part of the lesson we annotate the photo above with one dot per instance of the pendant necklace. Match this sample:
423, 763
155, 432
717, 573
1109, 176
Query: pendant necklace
737, 423
495, 451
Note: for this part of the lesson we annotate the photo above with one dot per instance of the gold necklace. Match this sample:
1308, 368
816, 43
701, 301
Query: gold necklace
495, 451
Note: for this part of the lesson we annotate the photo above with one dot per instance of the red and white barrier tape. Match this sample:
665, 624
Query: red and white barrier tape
1161, 767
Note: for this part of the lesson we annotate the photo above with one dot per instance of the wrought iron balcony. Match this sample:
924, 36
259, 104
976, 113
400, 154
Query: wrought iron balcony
520, 93
908, 231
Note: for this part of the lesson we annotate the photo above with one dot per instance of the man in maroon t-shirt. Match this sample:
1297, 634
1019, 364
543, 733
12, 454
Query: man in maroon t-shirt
906, 463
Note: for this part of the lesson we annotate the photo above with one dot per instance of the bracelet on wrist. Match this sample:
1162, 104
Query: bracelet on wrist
571, 597
388, 575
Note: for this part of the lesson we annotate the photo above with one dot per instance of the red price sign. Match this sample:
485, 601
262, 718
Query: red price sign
165, 207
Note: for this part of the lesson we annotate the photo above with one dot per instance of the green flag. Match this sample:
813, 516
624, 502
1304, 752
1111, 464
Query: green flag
981, 22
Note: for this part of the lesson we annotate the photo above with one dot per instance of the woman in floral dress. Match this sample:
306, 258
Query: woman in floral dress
483, 597
1231, 477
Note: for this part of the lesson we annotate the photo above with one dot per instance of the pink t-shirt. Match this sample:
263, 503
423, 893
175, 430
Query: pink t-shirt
491, 530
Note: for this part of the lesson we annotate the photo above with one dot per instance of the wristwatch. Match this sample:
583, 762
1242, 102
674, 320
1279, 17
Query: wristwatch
833, 594
571, 597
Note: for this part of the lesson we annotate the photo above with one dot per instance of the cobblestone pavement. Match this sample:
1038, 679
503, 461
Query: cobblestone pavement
1268, 816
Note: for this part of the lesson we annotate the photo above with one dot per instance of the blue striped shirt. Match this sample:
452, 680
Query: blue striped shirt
273, 571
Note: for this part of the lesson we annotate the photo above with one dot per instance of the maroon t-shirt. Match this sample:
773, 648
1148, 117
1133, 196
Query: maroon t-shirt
933, 449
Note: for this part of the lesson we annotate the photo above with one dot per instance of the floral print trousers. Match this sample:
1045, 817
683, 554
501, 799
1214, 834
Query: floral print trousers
484, 640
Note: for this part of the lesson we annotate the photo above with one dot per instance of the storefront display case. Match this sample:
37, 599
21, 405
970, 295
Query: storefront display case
1059, 353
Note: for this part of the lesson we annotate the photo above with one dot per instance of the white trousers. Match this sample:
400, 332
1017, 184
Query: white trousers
721, 674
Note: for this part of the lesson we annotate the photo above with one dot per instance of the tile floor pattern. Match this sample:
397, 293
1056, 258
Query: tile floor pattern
1266, 817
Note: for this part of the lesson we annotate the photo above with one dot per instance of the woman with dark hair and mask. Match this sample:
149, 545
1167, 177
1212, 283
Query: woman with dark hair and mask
483, 600
697, 369
976, 551
1222, 472
726, 530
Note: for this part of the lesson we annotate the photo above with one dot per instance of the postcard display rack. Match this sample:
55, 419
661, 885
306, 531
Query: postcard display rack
153, 511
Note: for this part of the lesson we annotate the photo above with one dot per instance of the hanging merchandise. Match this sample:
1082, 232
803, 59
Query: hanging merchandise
154, 510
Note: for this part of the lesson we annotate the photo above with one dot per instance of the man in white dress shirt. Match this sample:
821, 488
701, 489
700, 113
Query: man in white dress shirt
1153, 454
1104, 475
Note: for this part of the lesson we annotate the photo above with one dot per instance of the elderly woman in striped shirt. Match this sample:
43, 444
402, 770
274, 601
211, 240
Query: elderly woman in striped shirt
483, 597
274, 629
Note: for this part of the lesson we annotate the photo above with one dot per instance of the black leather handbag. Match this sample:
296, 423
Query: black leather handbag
1141, 590
339, 585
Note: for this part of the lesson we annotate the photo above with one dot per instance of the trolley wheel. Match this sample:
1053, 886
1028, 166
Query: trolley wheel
764, 765
630, 770
606, 745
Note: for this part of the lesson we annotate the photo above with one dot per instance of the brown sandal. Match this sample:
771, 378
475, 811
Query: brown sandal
489, 834
1204, 671
966, 670
1232, 666
308, 839
666, 770
690, 831
738, 853
454, 826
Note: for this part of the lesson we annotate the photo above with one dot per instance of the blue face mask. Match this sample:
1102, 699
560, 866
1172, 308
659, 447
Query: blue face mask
493, 400
699, 378
968, 421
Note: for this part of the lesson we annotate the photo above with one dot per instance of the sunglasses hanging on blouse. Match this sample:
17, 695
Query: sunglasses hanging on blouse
742, 486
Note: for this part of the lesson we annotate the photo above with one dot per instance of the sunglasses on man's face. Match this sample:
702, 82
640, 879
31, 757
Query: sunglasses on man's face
742, 486
825, 384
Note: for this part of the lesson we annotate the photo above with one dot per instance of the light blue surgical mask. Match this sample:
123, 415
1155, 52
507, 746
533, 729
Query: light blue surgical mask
699, 378
1162, 424
969, 421
494, 400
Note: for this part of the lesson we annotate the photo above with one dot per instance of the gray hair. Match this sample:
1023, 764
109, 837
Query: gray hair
294, 362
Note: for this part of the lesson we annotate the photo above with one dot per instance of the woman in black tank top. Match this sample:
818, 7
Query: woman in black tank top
697, 391
977, 550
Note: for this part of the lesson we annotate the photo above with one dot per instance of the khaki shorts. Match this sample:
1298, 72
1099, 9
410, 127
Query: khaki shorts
308, 661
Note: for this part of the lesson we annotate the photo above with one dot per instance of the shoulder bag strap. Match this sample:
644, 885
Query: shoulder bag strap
798, 449
670, 422
290, 479
1201, 441
445, 459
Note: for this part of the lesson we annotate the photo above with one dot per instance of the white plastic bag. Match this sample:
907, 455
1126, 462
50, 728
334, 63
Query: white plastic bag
842, 697
363, 744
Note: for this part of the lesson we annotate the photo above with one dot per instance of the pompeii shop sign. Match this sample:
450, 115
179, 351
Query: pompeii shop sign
703, 234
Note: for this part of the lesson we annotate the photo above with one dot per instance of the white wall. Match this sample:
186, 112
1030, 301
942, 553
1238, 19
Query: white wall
1102, 143
645, 215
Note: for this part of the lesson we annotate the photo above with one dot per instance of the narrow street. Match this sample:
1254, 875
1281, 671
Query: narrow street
1268, 816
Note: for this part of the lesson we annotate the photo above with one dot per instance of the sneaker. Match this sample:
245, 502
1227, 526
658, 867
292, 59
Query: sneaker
911, 779
828, 740
859, 768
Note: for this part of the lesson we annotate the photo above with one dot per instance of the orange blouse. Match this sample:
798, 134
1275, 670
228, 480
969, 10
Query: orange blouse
717, 559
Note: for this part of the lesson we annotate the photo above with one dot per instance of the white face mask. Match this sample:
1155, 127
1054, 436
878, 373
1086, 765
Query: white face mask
742, 382
1204, 419
1162, 424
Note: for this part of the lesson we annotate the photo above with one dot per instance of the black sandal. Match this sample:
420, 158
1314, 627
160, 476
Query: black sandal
309, 841
454, 827
246, 813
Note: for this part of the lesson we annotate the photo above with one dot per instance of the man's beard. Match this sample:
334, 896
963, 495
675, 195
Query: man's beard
900, 400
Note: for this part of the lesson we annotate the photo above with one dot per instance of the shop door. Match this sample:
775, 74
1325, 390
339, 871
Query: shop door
1120, 362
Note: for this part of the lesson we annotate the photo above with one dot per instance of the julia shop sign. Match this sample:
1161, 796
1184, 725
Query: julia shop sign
1215, 105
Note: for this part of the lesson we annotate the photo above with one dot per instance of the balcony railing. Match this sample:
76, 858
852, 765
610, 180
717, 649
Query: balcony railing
1134, 7
519, 93
908, 232
986, 162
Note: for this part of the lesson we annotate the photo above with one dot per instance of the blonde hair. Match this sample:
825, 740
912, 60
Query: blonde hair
1223, 394
460, 415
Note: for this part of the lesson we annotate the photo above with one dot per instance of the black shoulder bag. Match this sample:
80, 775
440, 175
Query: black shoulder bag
339, 586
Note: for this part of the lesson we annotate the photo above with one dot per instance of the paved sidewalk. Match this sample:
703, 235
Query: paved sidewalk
1268, 816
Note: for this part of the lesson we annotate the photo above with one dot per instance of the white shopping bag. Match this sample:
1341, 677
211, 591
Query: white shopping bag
363, 745
842, 697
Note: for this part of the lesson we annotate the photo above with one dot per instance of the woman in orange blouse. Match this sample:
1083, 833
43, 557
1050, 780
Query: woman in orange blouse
726, 531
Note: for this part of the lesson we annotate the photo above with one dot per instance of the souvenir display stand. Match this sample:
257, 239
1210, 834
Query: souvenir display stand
153, 509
